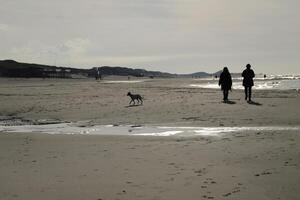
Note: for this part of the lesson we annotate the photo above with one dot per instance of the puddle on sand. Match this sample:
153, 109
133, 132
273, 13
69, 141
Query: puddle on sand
86, 129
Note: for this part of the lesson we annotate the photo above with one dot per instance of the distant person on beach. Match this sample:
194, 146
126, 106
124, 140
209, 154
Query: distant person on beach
248, 75
225, 82
98, 75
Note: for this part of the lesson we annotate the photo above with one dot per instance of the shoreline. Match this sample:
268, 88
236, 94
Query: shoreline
86, 128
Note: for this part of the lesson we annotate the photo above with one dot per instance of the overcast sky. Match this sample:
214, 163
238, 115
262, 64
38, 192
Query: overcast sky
179, 36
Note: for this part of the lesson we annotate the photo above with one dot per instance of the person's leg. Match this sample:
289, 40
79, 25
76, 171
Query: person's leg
250, 92
226, 95
246, 93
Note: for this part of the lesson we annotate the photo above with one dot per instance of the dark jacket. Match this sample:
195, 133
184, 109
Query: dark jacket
225, 81
248, 75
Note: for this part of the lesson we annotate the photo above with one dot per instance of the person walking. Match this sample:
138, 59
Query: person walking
248, 75
225, 82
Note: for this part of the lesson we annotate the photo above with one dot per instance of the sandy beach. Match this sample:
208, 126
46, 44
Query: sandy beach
166, 101
242, 165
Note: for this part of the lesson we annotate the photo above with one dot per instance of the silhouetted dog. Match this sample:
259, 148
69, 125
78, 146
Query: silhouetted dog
135, 97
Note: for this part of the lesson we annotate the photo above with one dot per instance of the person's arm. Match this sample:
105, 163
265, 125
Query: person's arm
230, 81
253, 74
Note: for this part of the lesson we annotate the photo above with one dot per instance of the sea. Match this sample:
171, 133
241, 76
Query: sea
272, 82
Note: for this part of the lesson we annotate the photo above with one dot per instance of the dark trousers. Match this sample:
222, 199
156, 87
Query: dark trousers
248, 91
225, 95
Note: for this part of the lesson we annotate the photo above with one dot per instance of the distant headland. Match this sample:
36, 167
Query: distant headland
12, 68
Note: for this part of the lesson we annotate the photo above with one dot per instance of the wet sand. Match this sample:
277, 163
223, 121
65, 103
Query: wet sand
242, 165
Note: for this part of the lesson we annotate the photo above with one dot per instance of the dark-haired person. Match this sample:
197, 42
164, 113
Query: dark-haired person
225, 82
248, 75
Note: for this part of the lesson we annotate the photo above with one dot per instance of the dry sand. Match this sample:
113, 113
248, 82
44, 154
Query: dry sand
166, 101
245, 165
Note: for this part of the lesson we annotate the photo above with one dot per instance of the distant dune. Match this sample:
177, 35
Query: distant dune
11, 68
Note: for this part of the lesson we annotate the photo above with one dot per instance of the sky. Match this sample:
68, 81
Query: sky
177, 36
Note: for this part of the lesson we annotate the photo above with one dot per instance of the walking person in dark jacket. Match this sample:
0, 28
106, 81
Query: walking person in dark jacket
226, 82
248, 75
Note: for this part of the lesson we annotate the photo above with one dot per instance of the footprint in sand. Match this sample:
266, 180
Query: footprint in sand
122, 193
235, 190
227, 194
265, 172
200, 172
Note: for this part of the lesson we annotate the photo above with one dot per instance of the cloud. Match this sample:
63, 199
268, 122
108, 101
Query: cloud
156, 33
120, 60
70, 50
76, 46
4, 27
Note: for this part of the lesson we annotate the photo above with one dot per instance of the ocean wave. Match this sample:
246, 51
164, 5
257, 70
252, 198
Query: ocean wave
293, 84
